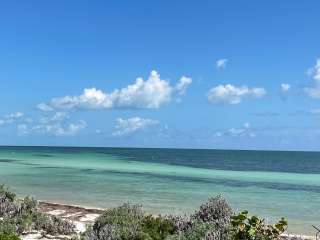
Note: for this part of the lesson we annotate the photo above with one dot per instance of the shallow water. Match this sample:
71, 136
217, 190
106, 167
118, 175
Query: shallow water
270, 184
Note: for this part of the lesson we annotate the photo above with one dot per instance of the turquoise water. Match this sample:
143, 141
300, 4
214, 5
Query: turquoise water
270, 184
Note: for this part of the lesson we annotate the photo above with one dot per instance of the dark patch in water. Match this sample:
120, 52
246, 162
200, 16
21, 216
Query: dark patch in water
88, 170
50, 167
235, 160
29, 164
57, 167
7, 160
223, 182
43, 155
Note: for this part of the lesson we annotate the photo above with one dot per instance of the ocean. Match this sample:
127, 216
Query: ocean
270, 184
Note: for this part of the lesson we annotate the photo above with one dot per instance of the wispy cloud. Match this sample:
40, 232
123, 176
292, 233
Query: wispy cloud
11, 118
314, 91
58, 129
266, 114
315, 111
151, 93
183, 84
54, 124
221, 63
285, 87
233, 95
44, 107
244, 131
132, 125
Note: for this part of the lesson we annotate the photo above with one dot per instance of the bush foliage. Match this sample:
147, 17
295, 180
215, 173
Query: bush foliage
254, 228
214, 220
22, 216
129, 222
9, 237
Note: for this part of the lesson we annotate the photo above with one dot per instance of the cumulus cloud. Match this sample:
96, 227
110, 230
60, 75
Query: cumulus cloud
233, 95
151, 93
132, 125
221, 63
314, 91
285, 87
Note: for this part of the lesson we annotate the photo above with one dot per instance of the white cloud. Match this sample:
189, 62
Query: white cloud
233, 95
22, 129
11, 118
14, 115
151, 93
315, 71
285, 87
221, 63
59, 129
236, 131
73, 128
52, 124
56, 117
183, 84
132, 125
44, 107
244, 131
314, 91
218, 134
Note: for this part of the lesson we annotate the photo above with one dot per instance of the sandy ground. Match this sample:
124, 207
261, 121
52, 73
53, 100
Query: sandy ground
80, 216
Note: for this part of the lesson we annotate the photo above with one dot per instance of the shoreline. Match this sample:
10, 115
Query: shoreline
83, 215
79, 215
45, 203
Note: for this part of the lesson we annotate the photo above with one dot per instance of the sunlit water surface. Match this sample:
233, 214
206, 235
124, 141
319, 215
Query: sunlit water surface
270, 184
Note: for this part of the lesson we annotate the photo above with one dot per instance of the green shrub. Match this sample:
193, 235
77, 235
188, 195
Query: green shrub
210, 222
254, 228
5, 193
56, 226
157, 228
196, 230
213, 221
216, 211
9, 237
128, 222
28, 206
20, 216
7, 226
123, 222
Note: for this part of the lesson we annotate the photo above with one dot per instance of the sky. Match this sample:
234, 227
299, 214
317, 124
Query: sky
178, 74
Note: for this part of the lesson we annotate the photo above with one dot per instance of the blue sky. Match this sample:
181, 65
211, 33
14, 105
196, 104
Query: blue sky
211, 74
